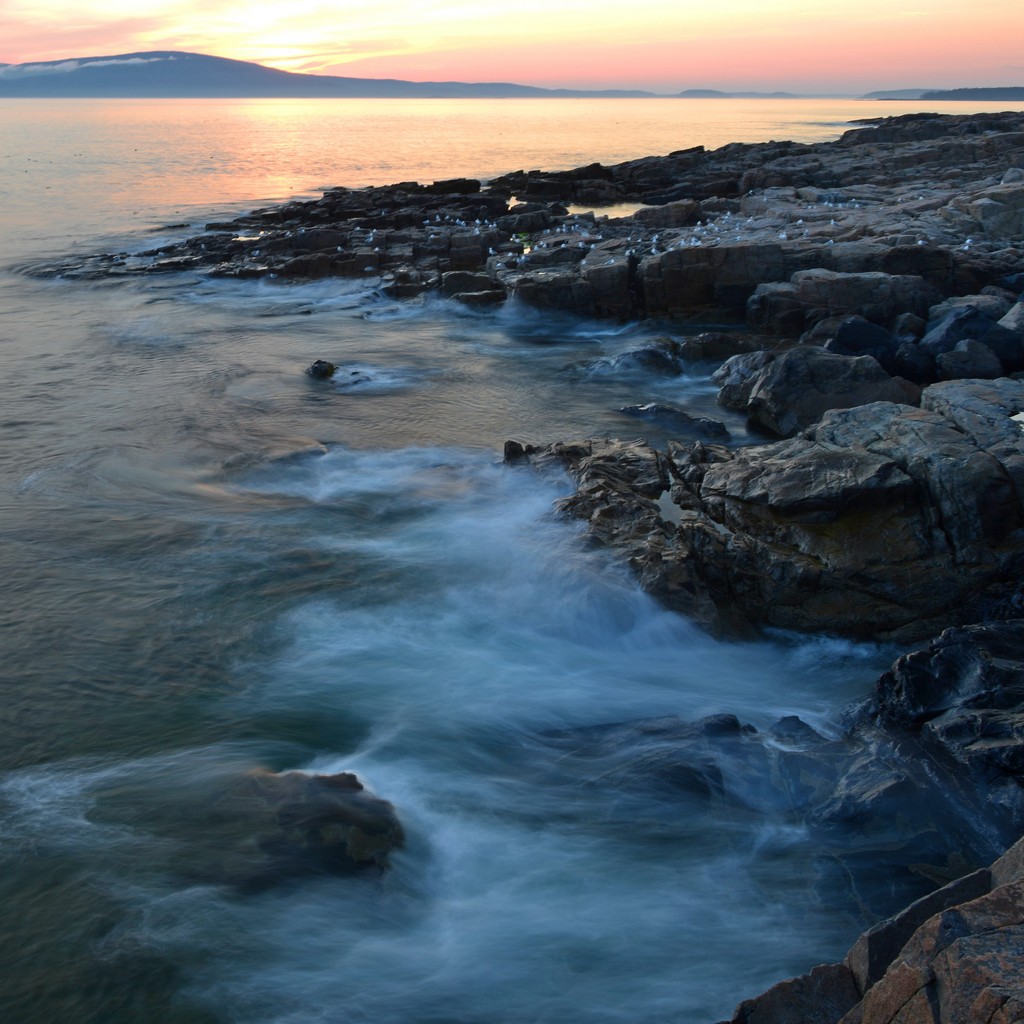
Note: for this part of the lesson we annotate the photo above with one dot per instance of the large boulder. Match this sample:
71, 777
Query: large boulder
969, 358
796, 387
253, 829
817, 294
963, 697
855, 336
883, 521
968, 323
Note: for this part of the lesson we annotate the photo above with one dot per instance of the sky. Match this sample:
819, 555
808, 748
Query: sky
663, 46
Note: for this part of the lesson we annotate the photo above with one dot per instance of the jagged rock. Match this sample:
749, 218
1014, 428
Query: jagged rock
855, 336
914, 205
883, 521
736, 376
813, 295
962, 965
795, 388
964, 696
820, 997
679, 421
969, 358
969, 323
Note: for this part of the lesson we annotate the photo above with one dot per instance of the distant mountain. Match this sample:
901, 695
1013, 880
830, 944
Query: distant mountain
895, 94
716, 94
173, 73
995, 94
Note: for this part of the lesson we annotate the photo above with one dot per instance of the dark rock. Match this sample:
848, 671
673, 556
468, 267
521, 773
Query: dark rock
909, 326
878, 297
321, 369
514, 452
671, 215
883, 520
819, 997
455, 281
737, 375
453, 186
991, 305
794, 731
913, 363
970, 358
318, 823
856, 336
486, 297
675, 419
256, 829
796, 387
966, 323
719, 345
660, 356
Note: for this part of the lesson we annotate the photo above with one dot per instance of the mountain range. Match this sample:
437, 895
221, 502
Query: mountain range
159, 74
174, 73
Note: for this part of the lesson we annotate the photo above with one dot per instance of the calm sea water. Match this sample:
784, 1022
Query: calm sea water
212, 564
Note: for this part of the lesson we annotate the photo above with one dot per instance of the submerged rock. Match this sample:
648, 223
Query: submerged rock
321, 369
267, 827
679, 421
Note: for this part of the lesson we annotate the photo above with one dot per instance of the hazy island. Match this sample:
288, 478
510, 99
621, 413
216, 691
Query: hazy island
170, 74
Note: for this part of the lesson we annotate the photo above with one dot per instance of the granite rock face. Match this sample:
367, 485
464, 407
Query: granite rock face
884, 520
954, 957
796, 387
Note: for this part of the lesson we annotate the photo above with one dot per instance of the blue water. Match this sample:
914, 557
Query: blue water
214, 564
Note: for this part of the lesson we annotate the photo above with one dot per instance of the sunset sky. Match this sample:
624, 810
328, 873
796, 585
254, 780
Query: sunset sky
660, 45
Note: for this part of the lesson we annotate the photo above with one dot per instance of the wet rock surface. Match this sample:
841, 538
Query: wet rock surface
915, 798
257, 829
881, 521
953, 957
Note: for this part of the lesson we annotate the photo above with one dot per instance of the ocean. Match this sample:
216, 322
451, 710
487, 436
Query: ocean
213, 564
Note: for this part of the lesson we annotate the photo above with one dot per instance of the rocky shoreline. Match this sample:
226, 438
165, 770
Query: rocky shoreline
936, 197
880, 278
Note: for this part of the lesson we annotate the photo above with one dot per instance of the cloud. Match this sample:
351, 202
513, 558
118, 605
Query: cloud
31, 70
